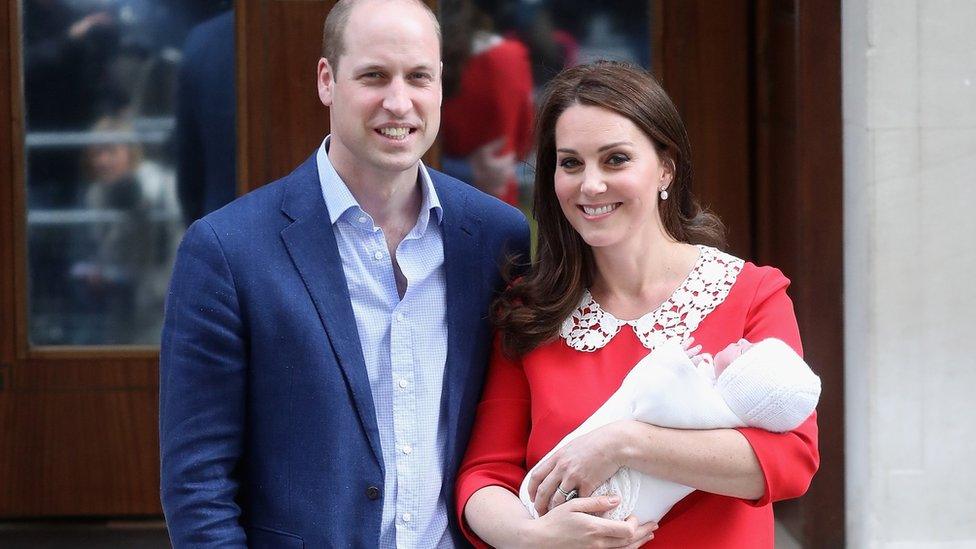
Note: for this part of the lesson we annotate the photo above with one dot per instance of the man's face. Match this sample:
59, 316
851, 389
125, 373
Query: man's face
385, 98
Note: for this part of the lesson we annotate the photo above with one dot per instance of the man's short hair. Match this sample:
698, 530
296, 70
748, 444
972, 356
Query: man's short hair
333, 31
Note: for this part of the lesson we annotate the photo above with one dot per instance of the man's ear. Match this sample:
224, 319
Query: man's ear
325, 81
440, 84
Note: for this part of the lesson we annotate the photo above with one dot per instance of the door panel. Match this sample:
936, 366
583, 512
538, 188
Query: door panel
281, 118
89, 223
703, 62
79, 438
799, 220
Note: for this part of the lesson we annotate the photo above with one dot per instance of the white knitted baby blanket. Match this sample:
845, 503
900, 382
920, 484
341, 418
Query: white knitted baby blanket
769, 387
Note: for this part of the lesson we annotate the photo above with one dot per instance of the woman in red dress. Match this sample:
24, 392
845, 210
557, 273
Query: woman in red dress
626, 259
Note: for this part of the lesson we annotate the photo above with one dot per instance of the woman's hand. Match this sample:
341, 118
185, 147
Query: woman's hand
582, 465
574, 525
693, 351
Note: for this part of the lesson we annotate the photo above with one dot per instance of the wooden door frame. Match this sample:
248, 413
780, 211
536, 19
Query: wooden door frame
98, 402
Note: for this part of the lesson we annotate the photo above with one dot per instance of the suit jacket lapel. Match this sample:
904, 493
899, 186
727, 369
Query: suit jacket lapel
462, 270
312, 246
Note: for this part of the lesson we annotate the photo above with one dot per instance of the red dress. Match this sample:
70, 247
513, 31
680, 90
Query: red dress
494, 100
529, 405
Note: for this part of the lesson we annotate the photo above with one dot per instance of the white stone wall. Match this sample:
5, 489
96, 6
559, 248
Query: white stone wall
909, 90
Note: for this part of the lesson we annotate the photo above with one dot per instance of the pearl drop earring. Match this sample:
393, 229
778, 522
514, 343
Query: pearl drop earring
664, 193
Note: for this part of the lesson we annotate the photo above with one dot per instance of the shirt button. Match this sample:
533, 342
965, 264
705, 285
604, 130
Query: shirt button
362, 219
402, 383
373, 493
406, 449
378, 255
407, 517
400, 317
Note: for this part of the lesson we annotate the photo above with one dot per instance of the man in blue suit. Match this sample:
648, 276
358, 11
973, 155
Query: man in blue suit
326, 335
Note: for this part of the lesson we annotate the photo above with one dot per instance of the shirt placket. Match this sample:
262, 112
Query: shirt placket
404, 426
380, 267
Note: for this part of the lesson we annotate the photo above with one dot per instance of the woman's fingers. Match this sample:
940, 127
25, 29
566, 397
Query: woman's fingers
593, 506
690, 348
540, 473
643, 533
580, 524
622, 531
547, 492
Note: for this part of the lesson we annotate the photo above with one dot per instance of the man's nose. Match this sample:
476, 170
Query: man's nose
397, 100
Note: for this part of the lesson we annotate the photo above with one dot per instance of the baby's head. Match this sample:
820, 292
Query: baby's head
725, 357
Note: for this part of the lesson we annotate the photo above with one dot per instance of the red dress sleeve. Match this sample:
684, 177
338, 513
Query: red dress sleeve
496, 451
790, 459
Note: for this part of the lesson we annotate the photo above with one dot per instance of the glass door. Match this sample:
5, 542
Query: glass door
120, 132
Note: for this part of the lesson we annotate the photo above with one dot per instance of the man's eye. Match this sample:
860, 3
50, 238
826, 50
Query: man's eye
422, 76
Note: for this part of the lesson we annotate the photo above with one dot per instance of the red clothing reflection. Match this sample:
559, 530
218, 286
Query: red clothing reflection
494, 100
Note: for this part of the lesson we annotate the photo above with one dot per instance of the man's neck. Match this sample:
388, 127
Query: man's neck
392, 199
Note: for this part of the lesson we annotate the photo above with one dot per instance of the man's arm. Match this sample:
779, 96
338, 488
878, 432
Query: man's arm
202, 391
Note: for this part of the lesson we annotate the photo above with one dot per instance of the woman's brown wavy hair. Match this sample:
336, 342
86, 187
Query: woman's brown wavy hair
530, 311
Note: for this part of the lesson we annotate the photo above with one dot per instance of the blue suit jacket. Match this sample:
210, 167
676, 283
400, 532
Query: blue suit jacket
268, 435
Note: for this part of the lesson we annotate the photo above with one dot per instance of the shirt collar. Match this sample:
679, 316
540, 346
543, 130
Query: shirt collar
339, 199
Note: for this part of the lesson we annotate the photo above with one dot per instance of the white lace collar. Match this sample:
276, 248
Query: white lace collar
589, 327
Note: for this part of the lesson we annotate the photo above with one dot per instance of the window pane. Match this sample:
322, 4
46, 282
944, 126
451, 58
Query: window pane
105, 212
498, 54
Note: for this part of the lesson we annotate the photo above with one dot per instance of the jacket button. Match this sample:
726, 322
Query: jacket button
373, 492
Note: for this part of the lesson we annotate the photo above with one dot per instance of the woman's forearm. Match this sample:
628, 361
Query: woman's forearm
719, 461
499, 518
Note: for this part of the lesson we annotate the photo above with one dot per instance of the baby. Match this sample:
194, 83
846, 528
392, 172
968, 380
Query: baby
765, 385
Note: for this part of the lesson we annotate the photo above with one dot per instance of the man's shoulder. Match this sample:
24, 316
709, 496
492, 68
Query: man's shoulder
248, 209
263, 207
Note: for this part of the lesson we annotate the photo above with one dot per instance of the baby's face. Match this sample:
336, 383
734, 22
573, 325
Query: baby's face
728, 354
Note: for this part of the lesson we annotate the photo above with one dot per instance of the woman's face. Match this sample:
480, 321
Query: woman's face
607, 177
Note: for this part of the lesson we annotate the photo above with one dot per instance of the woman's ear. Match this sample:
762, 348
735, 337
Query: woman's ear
668, 170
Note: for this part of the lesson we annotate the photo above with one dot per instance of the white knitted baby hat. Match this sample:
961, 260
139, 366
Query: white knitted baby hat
770, 386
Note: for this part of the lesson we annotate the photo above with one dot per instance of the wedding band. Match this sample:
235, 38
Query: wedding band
567, 495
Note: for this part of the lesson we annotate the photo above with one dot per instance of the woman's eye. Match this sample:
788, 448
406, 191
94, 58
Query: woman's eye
569, 163
617, 159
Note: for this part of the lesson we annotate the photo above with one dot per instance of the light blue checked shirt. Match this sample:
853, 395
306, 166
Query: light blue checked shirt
405, 347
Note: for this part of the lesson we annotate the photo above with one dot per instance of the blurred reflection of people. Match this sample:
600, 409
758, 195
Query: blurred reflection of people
551, 47
66, 59
120, 281
612, 29
486, 123
66, 81
206, 137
